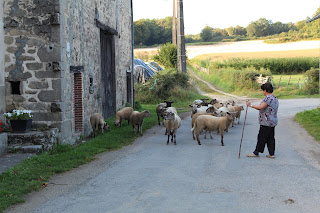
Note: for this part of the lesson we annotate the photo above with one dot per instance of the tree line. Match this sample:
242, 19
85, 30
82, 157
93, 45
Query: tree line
159, 31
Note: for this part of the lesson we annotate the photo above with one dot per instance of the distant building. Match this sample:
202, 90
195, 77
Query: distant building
65, 60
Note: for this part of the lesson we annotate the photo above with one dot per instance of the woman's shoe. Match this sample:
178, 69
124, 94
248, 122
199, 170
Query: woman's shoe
252, 155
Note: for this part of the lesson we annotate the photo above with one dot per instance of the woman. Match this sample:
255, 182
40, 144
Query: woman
268, 119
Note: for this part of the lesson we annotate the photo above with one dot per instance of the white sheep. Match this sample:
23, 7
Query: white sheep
211, 123
97, 122
197, 102
172, 122
202, 109
136, 120
123, 114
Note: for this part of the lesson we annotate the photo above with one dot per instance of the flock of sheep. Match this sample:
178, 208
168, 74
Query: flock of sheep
213, 116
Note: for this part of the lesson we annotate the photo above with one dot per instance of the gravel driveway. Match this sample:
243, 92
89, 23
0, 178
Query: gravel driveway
150, 176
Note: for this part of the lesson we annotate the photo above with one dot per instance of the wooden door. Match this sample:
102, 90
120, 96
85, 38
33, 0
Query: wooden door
107, 74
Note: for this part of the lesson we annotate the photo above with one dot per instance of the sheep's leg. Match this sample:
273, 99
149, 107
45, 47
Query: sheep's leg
168, 138
193, 134
210, 135
158, 120
102, 130
198, 139
171, 133
140, 129
94, 133
222, 139
205, 134
175, 136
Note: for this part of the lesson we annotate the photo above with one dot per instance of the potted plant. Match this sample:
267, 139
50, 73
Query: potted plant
20, 120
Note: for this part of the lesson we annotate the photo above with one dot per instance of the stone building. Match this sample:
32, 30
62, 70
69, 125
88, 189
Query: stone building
65, 60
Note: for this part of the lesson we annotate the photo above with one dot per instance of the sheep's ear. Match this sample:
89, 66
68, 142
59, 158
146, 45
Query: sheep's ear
190, 105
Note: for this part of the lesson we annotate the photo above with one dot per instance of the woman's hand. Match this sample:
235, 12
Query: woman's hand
248, 103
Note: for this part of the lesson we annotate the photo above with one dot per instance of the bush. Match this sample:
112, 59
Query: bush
275, 65
168, 85
312, 85
167, 55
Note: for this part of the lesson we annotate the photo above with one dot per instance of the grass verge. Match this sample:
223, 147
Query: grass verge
310, 120
33, 174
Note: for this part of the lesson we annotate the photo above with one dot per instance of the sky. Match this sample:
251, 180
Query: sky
226, 13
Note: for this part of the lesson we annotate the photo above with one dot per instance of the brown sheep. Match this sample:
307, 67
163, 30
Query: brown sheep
160, 110
136, 120
194, 118
211, 123
123, 114
97, 122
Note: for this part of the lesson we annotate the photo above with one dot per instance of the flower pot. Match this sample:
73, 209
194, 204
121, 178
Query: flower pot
21, 126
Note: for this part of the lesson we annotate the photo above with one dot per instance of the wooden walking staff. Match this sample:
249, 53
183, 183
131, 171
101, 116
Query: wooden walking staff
244, 123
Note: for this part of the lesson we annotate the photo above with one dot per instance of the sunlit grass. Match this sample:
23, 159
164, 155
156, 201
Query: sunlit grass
310, 120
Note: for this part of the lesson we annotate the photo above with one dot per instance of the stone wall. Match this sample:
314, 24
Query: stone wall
43, 39
2, 79
81, 47
32, 57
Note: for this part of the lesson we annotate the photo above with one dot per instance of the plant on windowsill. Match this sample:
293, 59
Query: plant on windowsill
20, 120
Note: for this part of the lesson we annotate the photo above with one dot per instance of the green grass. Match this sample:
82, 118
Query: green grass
202, 43
310, 120
32, 174
284, 92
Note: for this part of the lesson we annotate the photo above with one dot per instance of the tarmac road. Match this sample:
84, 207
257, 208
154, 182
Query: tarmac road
150, 176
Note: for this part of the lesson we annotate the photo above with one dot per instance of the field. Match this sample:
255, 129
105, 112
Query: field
267, 54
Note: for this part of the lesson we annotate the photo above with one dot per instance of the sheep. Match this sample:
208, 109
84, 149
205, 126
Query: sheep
197, 102
211, 123
97, 122
213, 101
202, 109
194, 118
218, 105
172, 122
136, 119
160, 110
123, 114
237, 110
204, 102
222, 111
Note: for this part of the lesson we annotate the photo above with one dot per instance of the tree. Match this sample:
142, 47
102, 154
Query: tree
231, 31
206, 34
259, 28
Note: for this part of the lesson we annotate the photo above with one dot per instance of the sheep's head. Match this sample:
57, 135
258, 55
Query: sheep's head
213, 101
169, 115
194, 108
147, 113
231, 115
106, 126
117, 123
211, 109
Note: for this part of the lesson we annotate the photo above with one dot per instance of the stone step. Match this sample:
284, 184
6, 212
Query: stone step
27, 149
45, 139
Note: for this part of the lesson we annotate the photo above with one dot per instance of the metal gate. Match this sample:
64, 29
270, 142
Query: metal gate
108, 74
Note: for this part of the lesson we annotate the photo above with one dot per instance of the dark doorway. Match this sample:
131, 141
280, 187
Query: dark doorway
108, 74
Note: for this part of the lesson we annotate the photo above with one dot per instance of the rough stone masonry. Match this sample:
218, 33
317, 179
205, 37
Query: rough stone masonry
44, 40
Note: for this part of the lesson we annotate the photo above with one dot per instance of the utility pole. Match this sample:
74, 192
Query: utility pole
182, 64
174, 28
